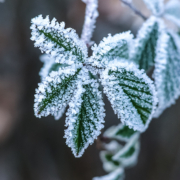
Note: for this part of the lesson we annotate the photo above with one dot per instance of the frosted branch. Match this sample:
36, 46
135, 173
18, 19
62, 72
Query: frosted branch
136, 11
90, 20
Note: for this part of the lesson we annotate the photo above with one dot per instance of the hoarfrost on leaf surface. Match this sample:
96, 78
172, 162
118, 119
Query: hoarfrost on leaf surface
49, 65
131, 93
144, 50
156, 6
111, 48
167, 70
59, 114
120, 132
56, 90
63, 44
172, 11
85, 116
118, 174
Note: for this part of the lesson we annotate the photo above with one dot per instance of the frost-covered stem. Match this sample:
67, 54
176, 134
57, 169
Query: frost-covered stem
90, 20
136, 11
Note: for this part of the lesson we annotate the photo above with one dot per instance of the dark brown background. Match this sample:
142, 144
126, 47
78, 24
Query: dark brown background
34, 149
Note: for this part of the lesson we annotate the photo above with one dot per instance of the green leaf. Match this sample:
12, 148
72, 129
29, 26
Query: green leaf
172, 11
144, 49
156, 6
118, 174
110, 48
63, 44
49, 65
128, 155
120, 132
55, 91
167, 70
85, 117
131, 93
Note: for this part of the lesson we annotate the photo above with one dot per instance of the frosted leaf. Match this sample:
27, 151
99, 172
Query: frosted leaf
156, 6
63, 44
120, 132
49, 65
106, 156
85, 116
118, 174
167, 70
131, 93
112, 47
144, 49
90, 20
56, 91
59, 114
172, 11
128, 155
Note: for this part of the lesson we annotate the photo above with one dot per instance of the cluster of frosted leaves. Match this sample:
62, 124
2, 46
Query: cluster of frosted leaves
56, 90
49, 65
167, 70
156, 6
111, 48
116, 156
172, 11
131, 93
62, 44
120, 132
85, 116
144, 50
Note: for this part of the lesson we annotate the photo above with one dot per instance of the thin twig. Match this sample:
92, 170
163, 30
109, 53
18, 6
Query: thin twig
136, 11
90, 20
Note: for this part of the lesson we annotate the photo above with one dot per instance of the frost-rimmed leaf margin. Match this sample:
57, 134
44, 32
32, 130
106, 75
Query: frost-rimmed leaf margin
172, 11
162, 65
111, 47
86, 112
156, 6
120, 102
147, 37
63, 44
128, 155
118, 174
119, 132
56, 90
49, 65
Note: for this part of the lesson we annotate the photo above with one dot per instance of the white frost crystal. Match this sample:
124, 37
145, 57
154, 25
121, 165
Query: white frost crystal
111, 48
172, 11
143, 51
156, 6
131, 93
167, 70
55, 91
85, 116
119, 132
63, 44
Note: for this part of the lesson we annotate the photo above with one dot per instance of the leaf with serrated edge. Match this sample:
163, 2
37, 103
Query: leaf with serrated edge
112, 47
172, 11
128, 155
49, 66
63, 44
85, 116
156, 6
56, 91
167, 70
118, 174
144, 50
131, 93
120, 132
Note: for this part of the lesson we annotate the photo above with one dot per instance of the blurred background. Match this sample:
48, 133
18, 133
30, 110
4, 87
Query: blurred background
34, 149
